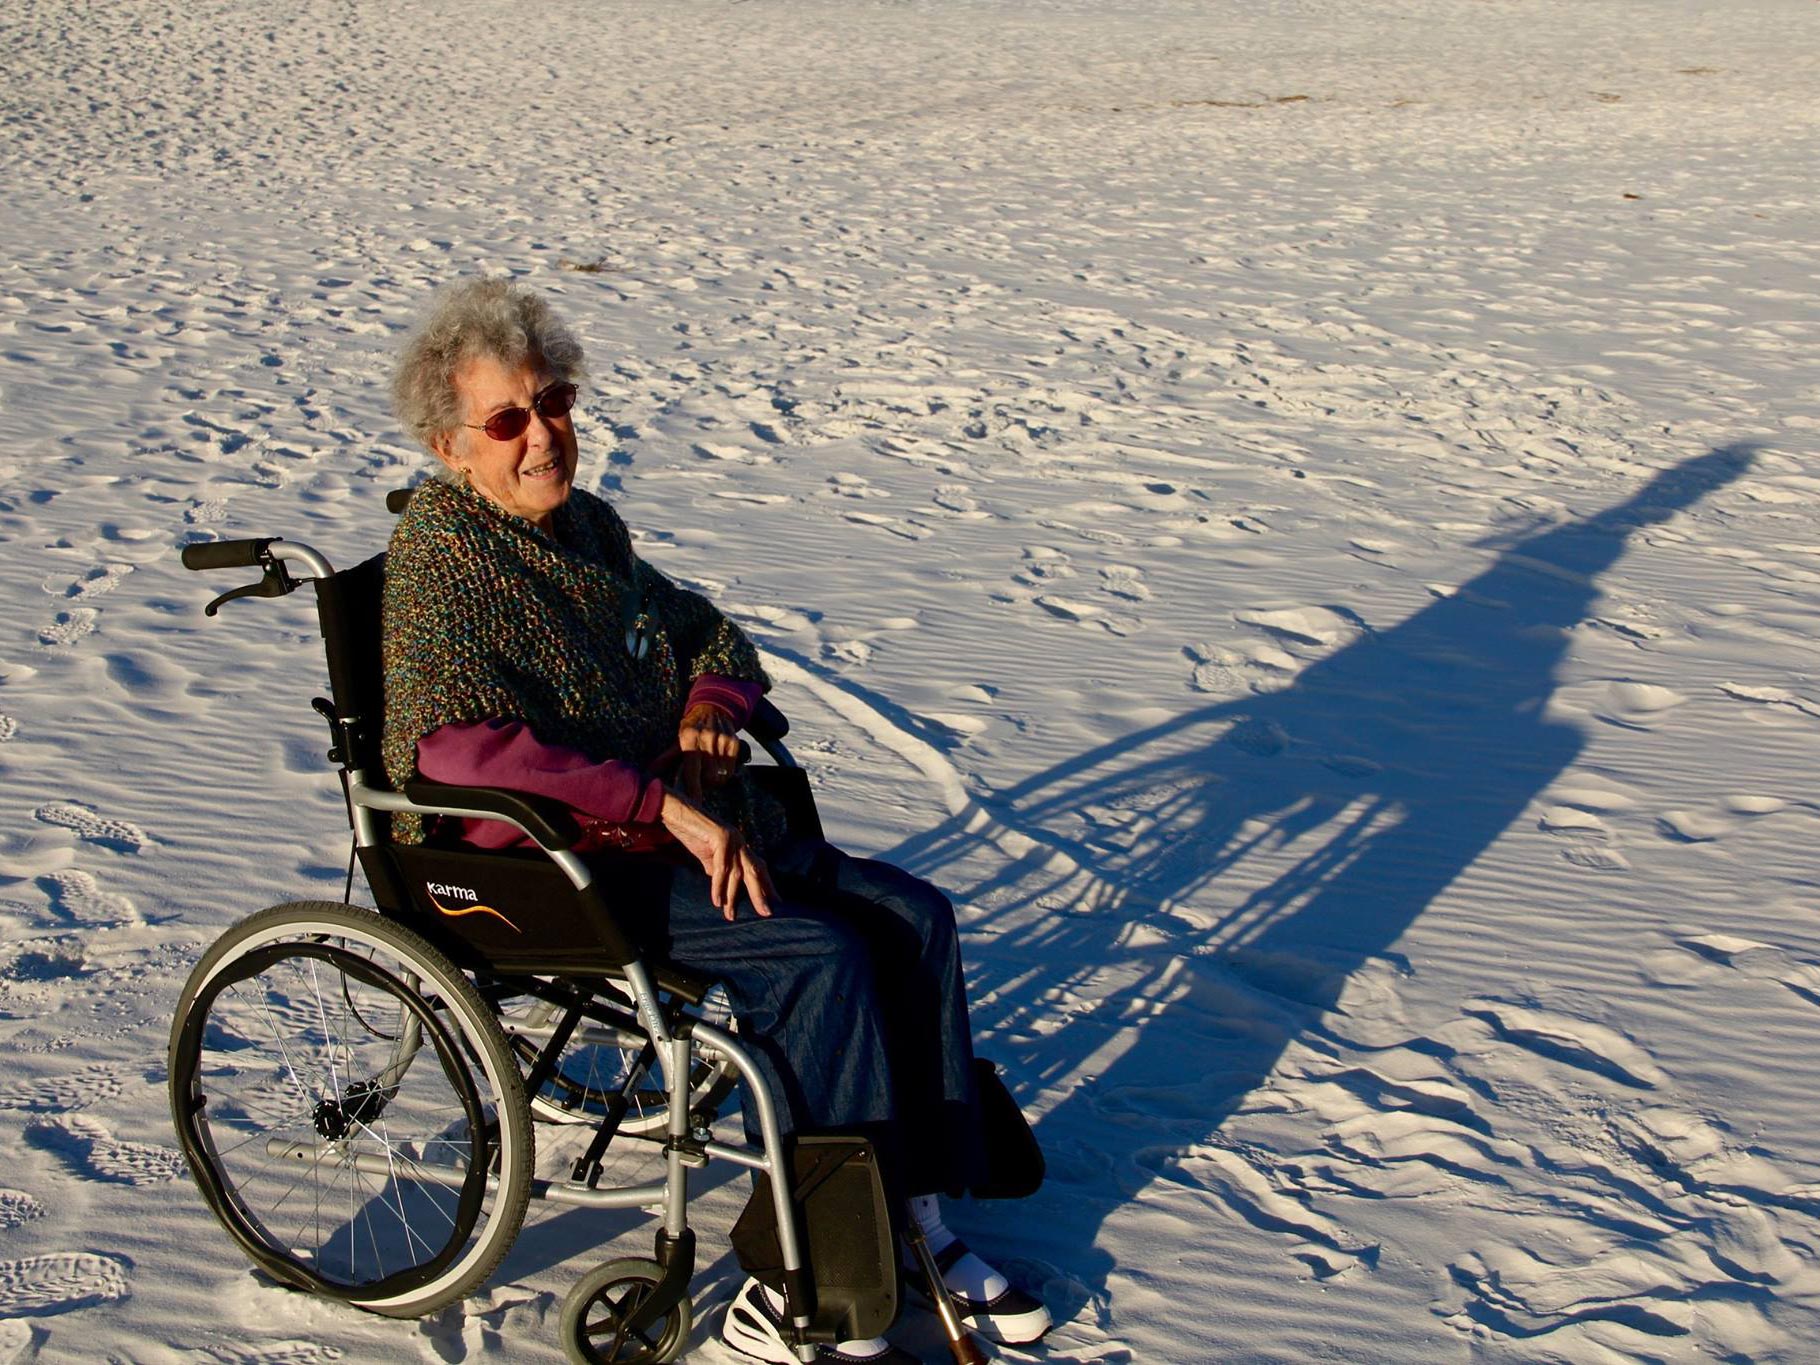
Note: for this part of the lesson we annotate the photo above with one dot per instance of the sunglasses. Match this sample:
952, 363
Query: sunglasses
508, 424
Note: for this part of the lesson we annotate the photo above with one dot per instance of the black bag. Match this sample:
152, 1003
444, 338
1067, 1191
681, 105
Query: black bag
1014, 1159
850, 1242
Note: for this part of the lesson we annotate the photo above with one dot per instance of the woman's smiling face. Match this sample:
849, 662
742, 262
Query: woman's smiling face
530, 475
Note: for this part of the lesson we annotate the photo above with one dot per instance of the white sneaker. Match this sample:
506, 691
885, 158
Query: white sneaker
1011, 1316
754, 1326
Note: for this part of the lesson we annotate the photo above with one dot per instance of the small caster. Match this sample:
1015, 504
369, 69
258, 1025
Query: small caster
594, 1317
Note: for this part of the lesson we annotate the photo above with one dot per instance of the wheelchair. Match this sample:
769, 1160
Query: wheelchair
359, 1091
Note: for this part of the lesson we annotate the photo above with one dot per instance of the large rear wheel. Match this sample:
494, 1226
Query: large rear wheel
350, 1108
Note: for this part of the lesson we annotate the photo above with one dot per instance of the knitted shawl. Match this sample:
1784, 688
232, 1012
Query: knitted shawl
485, 616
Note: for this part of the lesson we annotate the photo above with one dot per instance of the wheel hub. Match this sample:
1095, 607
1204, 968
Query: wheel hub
360, 1105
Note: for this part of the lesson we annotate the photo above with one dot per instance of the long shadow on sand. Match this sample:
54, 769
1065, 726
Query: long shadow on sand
1388, 767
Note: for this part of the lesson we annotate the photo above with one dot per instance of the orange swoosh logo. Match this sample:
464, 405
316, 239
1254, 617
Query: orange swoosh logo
475, 910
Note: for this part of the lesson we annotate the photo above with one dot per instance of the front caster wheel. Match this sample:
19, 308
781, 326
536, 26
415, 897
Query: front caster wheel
596, 1315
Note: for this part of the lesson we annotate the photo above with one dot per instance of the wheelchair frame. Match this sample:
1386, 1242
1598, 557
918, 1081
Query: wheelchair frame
446, 981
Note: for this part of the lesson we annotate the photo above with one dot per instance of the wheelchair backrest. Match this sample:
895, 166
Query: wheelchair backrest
348, 607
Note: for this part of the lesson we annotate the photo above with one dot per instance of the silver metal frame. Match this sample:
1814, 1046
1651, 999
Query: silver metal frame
670, 1195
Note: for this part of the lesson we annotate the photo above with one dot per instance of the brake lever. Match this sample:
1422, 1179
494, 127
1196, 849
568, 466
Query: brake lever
275, 583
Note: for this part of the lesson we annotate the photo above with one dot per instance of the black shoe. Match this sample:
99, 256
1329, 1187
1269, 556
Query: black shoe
754, 1328
1012, 1317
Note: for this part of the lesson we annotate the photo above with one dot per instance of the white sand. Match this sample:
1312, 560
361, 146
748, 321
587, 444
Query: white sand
1301, 515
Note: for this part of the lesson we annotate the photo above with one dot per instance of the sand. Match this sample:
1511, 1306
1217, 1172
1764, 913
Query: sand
1300, 516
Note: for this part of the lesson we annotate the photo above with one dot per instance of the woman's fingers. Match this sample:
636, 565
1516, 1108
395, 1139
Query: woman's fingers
727, 875
757, 881
711, 844
712, 764
688, 775
723, 855
709, 746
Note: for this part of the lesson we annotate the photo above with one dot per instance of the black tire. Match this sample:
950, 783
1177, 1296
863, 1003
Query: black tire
595, 1312
350, 1109
595, 1063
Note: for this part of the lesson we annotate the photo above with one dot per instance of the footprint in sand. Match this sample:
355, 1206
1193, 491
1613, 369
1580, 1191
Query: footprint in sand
844, 485
1591, 838
66, 1093
1259, 738
39, 961
37, 1286
274, 1353
478, 1328
854, 652
1764, 961
1569, 820
1216, 671
206, 513
1522, 1295
1377, 549
1043, 565
1563, 1038
1635, 705
90, 824
93, 1153
68, 627
1752, 804
957, 501
1086, 614
1692, 826
1126, 581
17, 1208
904, 528
76, 896
728, 454
97, 582
8, 727
1317, 626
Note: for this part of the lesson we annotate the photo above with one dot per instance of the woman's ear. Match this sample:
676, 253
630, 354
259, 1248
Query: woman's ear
442, 446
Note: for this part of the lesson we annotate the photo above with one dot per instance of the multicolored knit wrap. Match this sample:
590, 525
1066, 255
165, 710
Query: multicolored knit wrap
487, 617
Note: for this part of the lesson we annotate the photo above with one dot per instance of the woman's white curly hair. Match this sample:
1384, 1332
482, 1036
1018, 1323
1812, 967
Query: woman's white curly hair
484, 317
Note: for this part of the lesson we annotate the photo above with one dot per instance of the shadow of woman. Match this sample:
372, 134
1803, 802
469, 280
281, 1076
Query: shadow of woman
1366, 788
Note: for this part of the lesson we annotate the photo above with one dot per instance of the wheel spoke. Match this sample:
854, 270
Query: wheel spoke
297, 1118
278, 1038
328, 1034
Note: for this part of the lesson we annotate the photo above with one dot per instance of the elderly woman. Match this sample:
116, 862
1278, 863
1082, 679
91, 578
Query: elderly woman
528, 647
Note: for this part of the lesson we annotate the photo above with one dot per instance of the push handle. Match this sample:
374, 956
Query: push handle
226, 554
245, 554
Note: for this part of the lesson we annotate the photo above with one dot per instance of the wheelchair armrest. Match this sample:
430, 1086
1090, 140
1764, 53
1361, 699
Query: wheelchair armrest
547, 821
767, 722
768, 726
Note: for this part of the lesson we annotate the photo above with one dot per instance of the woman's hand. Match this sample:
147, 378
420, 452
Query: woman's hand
707, 749
723, 855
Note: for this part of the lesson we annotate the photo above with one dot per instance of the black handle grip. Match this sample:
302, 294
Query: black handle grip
225, 554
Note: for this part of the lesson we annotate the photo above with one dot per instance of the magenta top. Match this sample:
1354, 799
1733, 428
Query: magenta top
505, 753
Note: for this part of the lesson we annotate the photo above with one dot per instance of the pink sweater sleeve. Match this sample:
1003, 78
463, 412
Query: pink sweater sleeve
733, 696
505, 753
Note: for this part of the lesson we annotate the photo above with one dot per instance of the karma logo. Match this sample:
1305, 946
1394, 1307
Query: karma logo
465, 893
